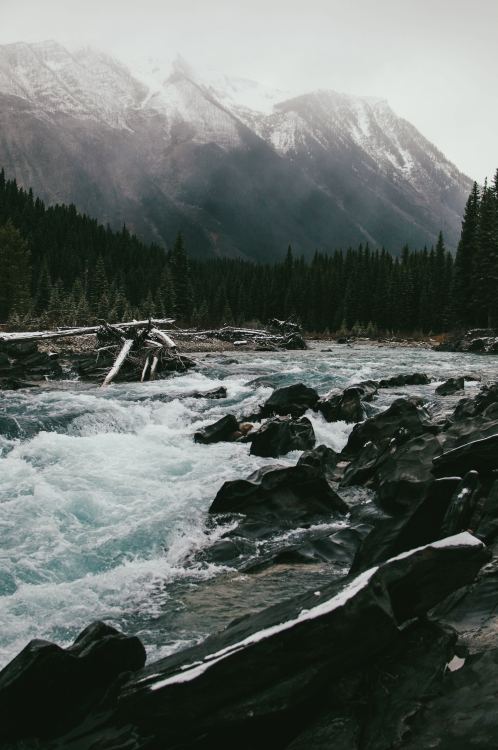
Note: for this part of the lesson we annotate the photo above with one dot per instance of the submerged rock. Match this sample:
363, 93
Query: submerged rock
222, 430
281, 435
416, 378
215, 393
450, 386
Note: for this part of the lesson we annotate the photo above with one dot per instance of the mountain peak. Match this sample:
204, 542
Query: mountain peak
243, 167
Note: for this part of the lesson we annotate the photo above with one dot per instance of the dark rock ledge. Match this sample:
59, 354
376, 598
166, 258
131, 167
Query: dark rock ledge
279, 679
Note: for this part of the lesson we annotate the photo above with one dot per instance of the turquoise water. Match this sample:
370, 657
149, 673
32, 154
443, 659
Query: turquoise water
104, 498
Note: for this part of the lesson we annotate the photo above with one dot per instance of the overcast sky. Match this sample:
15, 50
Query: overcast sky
435, 61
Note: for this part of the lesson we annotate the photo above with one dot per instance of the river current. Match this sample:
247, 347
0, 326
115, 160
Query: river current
104, 495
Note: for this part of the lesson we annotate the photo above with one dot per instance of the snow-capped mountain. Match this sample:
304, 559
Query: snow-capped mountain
242, 169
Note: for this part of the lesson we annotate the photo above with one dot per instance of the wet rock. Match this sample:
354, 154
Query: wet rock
344, 406
450, 386
405, 418
420, 524
47, 688
400, 472
375, 708
396, 381
222, 430
477, 340
348, 405
462, 714
478, 455
292, 496
292, 400
337, 548
471, 407
462, 504
215, 393
281, 435
406, 473
322, 458
269, 677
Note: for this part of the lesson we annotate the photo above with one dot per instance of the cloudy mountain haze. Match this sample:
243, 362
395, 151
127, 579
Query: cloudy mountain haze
434, 62
242, 171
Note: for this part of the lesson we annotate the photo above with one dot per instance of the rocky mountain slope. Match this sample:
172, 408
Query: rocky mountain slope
241, 172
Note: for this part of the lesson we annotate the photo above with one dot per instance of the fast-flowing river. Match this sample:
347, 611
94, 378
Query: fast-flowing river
104, 495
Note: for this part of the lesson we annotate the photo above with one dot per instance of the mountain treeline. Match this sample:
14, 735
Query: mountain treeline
60, 267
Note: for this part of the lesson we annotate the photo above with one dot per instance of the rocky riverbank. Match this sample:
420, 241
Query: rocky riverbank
399, 653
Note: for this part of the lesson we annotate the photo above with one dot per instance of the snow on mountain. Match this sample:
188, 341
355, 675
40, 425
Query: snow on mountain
246, 168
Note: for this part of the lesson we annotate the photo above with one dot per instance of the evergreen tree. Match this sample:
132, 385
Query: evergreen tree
43, 288
182, 283
462, 292
15, 274
486, 266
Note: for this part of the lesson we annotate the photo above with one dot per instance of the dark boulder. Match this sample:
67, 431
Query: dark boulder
416, 378
322, 458
406, 473
47, 688
340, 407
405, 418
478, 455
471, 407
421, 524
222, 430
348, 405
288, 496
281, 435
293, 400
450, 386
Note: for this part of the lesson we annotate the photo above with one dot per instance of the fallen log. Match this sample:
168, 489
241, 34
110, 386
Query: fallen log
163, 337
18, 337
146, 367
119, 362
153, 368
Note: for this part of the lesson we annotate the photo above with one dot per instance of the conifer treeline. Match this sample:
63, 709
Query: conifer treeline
57, 266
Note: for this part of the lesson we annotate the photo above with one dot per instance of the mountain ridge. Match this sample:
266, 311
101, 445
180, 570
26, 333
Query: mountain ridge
321, 169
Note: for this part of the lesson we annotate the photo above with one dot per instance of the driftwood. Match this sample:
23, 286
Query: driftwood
288, 336
59, 333
128, 343
146, 350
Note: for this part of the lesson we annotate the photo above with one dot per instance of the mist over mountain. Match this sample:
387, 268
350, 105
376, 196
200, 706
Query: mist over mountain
241, 170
